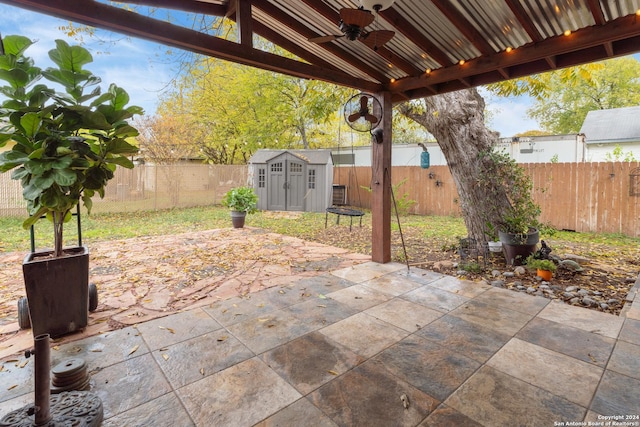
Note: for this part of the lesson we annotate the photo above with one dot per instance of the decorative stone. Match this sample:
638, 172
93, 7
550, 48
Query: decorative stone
498, 283
571, 288
568, 295
531, 290
604, 306
583, 292
495, 273
461, 272
588, 301
519, 270
508, 274
574, 301
613, 301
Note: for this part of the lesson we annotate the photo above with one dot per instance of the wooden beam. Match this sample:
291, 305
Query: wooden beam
410, 32
123, 21
596, 12
296, 26
464, 26
524, 20
184, 6
381, 185
622, 28
244, 22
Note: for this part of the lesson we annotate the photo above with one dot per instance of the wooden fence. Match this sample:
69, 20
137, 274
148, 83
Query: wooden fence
597, 197
147, 187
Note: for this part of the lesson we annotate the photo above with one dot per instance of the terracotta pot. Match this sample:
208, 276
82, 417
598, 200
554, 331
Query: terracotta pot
545, 274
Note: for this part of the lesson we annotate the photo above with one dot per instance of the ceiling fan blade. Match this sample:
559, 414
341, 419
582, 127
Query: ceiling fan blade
324, 39
353, 117
358, 17
370, 117
377, 38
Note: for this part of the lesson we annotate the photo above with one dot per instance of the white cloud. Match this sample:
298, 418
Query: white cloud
130, 63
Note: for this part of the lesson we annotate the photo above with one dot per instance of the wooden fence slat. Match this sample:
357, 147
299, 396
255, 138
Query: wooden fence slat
577, 196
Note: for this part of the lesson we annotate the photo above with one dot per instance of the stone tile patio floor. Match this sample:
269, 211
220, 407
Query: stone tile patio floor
345, 347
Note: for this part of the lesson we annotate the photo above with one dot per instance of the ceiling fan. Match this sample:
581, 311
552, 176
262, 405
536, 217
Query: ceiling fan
354, 21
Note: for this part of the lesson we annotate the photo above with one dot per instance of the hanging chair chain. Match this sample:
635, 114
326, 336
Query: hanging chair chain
395, 208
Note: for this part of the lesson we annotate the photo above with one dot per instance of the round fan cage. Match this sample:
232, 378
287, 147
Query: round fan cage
363, 112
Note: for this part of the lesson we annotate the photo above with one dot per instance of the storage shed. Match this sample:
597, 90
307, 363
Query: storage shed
292, 180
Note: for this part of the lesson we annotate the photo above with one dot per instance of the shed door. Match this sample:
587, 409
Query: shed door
286, 186
295, 186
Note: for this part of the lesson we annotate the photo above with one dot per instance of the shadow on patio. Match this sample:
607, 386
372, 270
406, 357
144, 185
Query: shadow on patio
360, 345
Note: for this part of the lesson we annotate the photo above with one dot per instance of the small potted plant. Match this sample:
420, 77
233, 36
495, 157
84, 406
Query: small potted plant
544, 267
241, 201
63, 147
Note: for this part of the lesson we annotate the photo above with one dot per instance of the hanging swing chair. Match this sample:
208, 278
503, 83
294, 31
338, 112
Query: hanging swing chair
357, 114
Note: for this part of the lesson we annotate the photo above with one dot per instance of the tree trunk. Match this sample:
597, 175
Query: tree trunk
456, 120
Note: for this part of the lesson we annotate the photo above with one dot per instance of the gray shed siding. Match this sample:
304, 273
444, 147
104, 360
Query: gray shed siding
292, 179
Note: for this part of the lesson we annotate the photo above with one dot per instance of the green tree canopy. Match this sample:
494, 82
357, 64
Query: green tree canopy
563, 98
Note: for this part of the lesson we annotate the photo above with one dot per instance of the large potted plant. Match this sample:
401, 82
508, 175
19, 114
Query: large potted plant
241, 201
517, 223
63, 147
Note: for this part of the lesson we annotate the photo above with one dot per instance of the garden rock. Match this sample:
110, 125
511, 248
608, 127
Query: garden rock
519, 270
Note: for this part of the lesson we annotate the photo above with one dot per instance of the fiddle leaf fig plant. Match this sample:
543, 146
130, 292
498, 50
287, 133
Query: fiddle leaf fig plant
63, 146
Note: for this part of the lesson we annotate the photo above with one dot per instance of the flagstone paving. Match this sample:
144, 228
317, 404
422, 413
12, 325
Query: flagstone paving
358, 345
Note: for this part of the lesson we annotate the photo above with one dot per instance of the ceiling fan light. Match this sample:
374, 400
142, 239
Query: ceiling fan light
376, 5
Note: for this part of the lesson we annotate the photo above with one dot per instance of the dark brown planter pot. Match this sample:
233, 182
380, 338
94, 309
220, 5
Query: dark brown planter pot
237, 218
518, 247
57, 291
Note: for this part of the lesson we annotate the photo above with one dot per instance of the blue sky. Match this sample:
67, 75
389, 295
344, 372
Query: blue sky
143, 69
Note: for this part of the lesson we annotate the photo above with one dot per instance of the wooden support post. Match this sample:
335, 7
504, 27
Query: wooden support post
381, 185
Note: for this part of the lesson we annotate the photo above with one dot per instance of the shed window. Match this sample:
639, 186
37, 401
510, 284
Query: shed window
276, 167
312, 179
261, 178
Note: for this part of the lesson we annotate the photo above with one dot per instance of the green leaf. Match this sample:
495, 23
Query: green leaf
31, 123
15, 45
34, 218
64, 177
121, 161
70, 57
11, 159
43, 181
120, 146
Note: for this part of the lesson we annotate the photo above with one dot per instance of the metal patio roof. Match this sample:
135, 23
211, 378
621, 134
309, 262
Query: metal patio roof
439, 45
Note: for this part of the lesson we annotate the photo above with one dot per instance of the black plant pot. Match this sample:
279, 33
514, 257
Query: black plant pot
57, 291
517, 247
237, 218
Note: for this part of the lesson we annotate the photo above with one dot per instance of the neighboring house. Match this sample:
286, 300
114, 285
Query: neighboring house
614, 129
530, 149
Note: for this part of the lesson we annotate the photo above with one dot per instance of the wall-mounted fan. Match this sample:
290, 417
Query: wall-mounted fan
363, 112
352, 24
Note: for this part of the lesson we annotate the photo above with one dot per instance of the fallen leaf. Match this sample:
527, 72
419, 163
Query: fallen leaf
281, 291
593, 359
12, 387
202, 371
168, 329
322, 296
333, 372
222, 338
165, 356
322, 305
405, 401
134, 349
56, 347
97, 350
263, 320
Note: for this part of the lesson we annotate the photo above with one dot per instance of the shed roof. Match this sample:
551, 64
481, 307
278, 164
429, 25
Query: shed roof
317, 157
614, 125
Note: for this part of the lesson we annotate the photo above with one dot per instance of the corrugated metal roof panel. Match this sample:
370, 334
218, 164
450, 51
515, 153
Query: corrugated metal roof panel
554, 17
614, 9
496, 21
